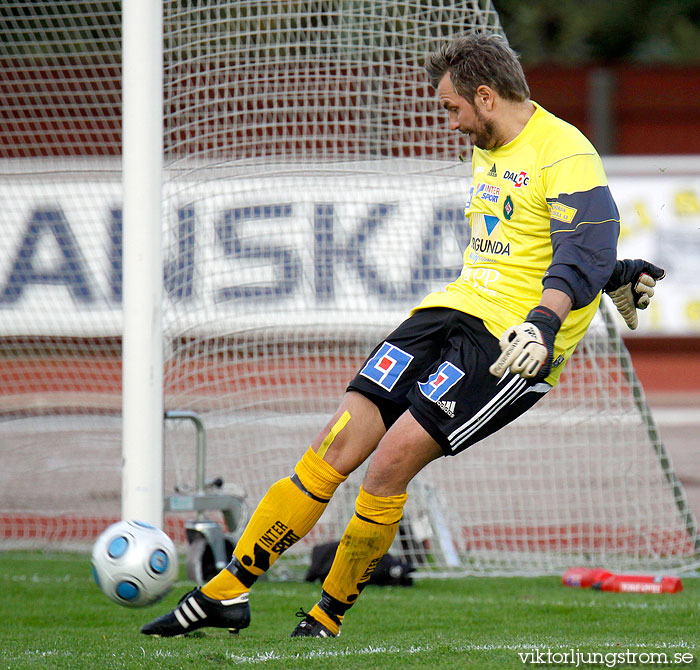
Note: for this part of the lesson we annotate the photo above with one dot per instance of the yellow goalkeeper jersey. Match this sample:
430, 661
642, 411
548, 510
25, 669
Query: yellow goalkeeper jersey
541, 215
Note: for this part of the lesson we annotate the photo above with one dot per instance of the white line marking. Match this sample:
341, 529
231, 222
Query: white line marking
271, 655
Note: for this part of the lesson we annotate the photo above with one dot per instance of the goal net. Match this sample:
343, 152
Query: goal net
312, 196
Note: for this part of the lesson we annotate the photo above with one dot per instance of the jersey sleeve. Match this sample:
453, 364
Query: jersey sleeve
584, 227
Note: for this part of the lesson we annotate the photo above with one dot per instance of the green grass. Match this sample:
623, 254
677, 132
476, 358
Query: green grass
53, 616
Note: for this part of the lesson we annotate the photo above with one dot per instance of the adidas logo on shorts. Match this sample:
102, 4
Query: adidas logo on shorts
447, 406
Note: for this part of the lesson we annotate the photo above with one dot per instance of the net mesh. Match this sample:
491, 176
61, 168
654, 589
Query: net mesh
312, 196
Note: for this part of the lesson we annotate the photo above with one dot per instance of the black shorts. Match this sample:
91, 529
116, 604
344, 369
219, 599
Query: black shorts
436, 365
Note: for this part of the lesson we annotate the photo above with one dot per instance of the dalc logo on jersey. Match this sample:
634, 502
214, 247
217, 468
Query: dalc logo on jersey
520, 179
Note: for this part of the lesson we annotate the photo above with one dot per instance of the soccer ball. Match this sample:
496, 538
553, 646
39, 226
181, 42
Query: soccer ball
134, 563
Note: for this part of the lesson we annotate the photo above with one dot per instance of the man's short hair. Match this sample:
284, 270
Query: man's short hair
476, 59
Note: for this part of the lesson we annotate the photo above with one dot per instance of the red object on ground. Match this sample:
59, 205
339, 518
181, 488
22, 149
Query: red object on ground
641, 584
603, 580
585, 577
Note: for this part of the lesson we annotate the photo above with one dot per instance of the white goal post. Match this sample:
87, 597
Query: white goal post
311, 195
142, 334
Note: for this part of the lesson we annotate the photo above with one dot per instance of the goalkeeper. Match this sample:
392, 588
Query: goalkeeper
471, 358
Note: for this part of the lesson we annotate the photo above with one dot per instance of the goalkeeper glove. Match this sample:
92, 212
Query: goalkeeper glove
631, 287
528, 348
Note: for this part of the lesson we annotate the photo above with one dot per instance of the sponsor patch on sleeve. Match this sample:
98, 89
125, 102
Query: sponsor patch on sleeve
561, 212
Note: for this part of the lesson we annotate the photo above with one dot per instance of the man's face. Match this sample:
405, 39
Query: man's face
465, 116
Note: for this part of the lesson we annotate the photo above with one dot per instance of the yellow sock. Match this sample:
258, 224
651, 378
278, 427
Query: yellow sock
330, 621
225, 586
288, 511
367, 538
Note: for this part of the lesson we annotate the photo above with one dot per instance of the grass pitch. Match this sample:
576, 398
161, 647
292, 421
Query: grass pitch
53, 616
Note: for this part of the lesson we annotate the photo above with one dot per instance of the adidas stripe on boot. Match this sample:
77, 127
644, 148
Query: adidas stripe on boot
195, 610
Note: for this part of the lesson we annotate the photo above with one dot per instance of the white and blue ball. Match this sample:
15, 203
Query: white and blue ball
134, 563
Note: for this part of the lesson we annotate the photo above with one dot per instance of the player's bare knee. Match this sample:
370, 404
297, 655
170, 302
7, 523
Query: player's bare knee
331, 443
351, 435
387, 474
405, 450
384, 479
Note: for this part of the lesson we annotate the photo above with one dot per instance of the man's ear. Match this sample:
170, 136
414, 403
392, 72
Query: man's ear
484, 97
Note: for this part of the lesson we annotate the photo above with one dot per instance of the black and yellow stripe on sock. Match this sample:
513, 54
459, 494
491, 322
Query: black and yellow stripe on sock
289, 510
367, 538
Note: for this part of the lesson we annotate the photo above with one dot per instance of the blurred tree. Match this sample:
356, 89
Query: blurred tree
553, 31
74, 27
603, 31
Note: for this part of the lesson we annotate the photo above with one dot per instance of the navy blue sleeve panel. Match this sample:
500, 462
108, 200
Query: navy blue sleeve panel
584, 228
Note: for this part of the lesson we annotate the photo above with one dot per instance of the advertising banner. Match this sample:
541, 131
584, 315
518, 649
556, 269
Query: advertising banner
297, 249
